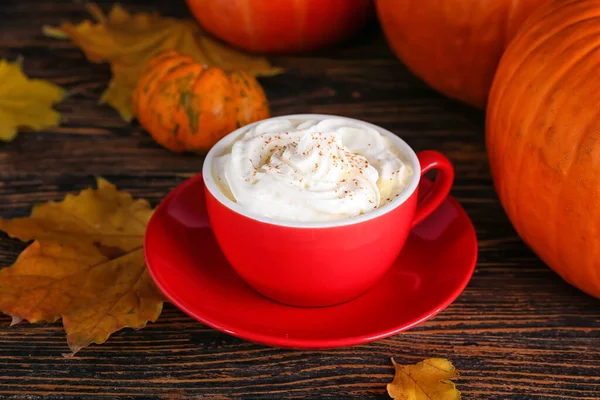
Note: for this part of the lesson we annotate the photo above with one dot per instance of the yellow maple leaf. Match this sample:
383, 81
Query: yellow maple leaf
86, 266
25, 102
425, 380
127, 41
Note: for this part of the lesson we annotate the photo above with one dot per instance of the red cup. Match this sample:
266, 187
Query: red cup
312, 264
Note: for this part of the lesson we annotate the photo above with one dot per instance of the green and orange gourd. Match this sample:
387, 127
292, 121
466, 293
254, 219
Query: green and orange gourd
186, 106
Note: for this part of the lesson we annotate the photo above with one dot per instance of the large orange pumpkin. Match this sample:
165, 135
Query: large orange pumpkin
281, 26
543, 137
188, 107
453, 45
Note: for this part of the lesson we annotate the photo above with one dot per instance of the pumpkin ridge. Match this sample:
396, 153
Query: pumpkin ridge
541, 13
561, 196
579, 149
159, 103
180, 83
160, 78
543, 138
550, 86
578, 152
516, 65
158, 59
214, 119
163, 77
150, 65
195, 126
558, 75
185, 100
145, 89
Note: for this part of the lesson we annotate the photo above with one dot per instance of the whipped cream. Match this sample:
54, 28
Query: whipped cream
311, 170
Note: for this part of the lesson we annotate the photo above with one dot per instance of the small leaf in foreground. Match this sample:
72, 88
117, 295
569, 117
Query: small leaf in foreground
425, 380
127, 41
25, 102
86, 266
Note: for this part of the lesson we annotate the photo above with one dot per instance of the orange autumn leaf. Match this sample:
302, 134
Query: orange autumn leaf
25, 102
425, 380
86, 266
127, 41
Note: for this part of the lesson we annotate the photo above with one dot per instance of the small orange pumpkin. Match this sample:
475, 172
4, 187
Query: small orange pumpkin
186, 106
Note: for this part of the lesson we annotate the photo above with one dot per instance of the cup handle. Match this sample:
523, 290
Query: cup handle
430, 159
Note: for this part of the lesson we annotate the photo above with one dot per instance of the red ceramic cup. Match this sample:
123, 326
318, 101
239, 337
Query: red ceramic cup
321, 263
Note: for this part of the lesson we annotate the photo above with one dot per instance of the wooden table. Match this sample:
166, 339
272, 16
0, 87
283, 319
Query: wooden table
517, 332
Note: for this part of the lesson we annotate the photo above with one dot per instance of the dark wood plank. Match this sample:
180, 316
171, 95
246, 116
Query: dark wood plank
518, 331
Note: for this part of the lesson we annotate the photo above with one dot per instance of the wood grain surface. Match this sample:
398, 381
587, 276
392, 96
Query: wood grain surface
517, 332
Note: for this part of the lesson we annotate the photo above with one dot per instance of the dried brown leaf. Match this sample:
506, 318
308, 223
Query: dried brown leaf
86, 266
425, 380
127, 41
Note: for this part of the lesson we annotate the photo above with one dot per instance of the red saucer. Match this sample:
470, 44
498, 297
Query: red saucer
185, 262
